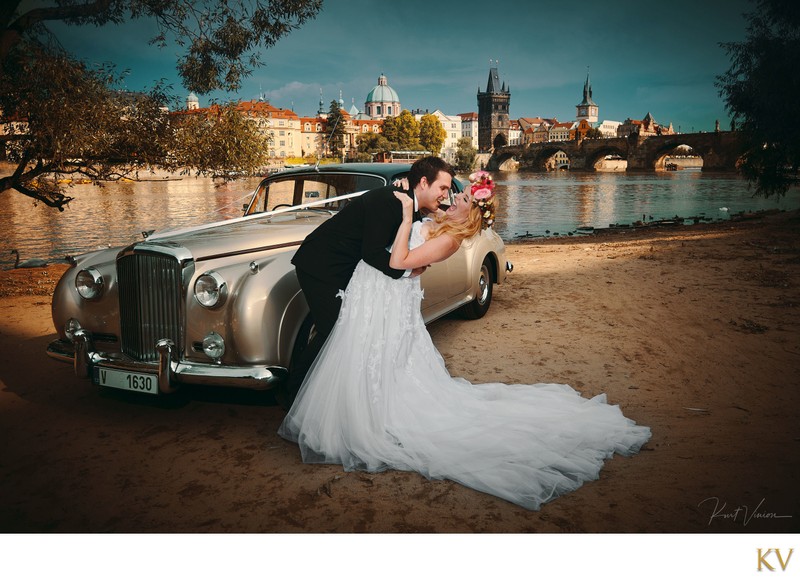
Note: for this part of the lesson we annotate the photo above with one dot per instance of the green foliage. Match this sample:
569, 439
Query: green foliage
64, 118
61, 117
221, 142
760, 91
334, 131
465, 155
403, 130
371, 143
222, 38
431, 134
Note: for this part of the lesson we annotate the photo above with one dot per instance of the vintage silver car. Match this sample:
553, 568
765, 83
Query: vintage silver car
219, 304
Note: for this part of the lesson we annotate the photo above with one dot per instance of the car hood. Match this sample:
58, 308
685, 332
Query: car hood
238, 236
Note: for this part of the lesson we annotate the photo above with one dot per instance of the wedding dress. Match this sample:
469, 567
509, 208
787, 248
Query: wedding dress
379, 396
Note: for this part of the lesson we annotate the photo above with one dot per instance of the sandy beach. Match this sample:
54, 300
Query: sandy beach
692, 330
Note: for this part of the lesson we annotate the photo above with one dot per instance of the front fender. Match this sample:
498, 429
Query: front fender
266, 312
99, 315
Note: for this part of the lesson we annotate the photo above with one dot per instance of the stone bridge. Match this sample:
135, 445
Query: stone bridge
720, 151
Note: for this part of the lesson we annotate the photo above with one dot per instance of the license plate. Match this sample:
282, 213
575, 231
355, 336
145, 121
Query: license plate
130, 381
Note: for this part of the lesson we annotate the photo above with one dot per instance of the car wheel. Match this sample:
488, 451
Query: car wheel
283, 395
478, 307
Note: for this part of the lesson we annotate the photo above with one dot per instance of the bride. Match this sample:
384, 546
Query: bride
379, 395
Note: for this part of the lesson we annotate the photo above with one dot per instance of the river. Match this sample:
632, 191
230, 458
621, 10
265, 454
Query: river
529, 204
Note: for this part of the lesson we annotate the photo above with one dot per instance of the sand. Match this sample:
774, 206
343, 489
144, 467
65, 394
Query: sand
693, 331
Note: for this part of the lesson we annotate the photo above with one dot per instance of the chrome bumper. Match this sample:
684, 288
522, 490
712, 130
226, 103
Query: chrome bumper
170, 372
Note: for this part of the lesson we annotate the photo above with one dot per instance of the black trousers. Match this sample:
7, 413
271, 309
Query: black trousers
324, 305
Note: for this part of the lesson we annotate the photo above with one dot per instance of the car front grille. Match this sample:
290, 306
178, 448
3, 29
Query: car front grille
150, 302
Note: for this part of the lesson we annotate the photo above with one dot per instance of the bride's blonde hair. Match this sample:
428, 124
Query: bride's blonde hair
460, 230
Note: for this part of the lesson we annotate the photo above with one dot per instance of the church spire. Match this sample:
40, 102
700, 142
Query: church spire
587, 109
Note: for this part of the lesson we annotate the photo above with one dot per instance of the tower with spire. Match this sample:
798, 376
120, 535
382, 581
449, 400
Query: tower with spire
493, 120
321, 111
587, 109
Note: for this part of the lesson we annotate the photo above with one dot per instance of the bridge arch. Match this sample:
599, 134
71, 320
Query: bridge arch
597, 155
502, 156
719, 150
538, 155
667, 151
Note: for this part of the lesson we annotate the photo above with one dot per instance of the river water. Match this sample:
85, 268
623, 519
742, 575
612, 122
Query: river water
529, 204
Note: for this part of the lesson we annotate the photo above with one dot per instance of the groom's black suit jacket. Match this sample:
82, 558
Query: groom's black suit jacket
361, 230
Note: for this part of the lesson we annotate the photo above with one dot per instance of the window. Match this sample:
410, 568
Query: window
388, 110
379, 110
307, 127
304, 189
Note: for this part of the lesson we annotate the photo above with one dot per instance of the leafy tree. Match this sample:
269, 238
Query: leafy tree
222, 38
465, 155
390, 131
65, 119
371, 143
334, 131
760, 91
61, 117
431, 133
403, 130
219, 140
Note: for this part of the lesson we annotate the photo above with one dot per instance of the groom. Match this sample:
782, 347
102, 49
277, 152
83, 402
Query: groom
362, 230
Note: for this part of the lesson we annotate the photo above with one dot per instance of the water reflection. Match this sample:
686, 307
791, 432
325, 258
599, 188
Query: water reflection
539, 204
528, 203
114, 214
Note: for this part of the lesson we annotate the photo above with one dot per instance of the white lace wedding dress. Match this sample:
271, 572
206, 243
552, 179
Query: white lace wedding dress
379, 396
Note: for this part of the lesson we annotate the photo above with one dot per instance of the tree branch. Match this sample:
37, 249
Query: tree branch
37, 15
53, 200
7, 11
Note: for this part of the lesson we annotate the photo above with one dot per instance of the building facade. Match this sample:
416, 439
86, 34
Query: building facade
469, 127
452, 128
644, 127
608, 128
280, 125
561, 130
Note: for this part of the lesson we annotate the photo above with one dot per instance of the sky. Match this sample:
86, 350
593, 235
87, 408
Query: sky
642, 56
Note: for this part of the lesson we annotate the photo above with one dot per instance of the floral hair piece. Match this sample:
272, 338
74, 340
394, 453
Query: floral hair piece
482, 190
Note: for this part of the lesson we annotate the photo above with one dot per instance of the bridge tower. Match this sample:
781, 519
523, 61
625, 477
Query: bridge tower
587, 109
493, 121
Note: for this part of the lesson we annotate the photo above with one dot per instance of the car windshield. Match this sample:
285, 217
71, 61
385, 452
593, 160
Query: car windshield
296, 190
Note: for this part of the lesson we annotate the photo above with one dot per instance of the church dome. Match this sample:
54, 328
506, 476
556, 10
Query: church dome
382, 92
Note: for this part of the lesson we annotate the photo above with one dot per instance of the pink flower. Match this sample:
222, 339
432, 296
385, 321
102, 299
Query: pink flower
480, 177
481, 193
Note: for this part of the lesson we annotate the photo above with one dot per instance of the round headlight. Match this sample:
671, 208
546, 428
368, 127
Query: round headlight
210, 290
214, 346
89, 283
